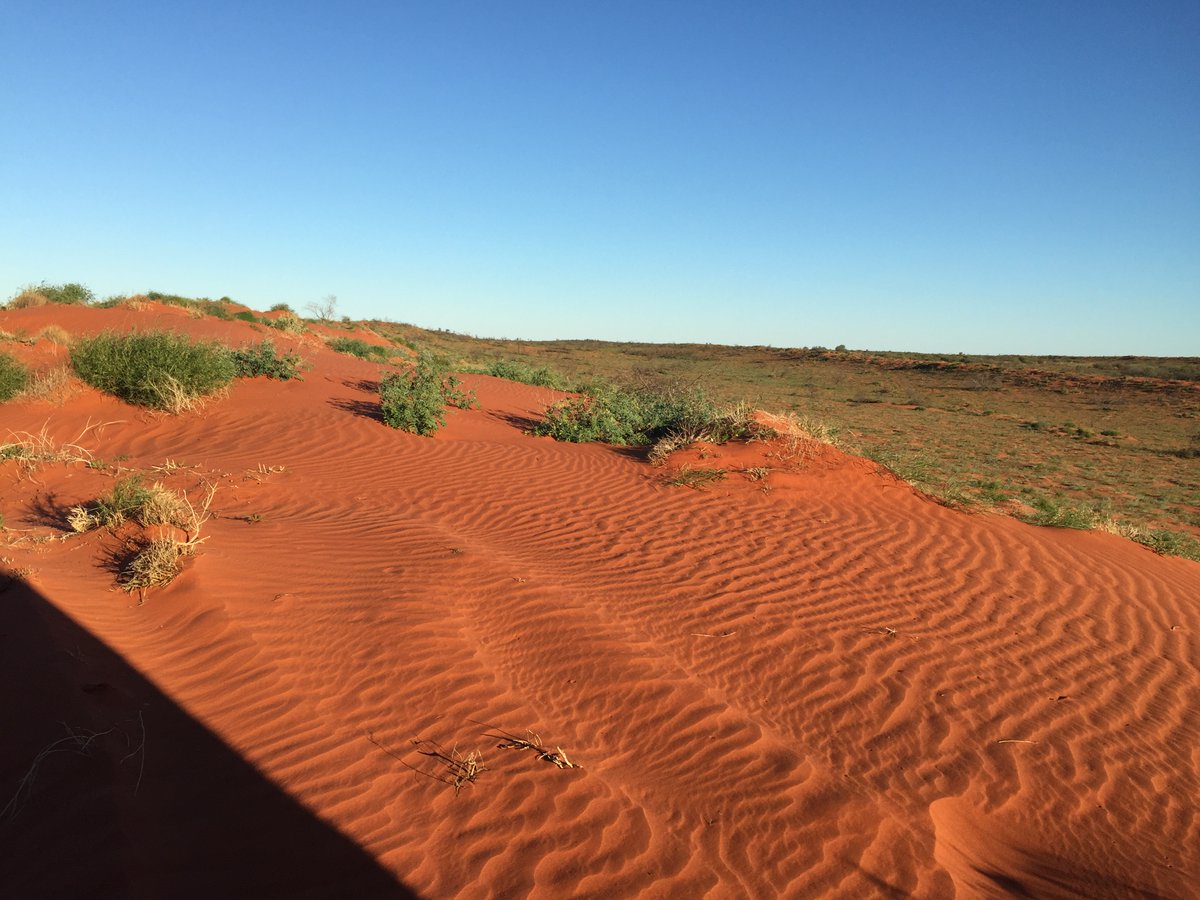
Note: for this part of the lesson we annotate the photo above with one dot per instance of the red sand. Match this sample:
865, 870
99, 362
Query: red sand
834, 687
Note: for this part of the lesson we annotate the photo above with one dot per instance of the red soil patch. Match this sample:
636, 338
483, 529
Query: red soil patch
833, 687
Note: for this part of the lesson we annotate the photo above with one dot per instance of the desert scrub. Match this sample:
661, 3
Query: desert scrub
72, 294
158, 369
264, 359
129, 499
288, 322
525, 373
14, 377
360, 348
416, 401
667, 419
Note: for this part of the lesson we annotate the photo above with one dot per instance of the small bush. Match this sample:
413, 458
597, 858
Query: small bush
416, 401
526, 374
14, 377
55, 334
72, 294
641, 416
360, 348
263, 359
282, 307
245, 315
158, 369
289, 322
28, 298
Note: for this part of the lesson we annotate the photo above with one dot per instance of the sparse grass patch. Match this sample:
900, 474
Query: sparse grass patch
30, 449
697, 478
158, 369
14, 377
416, 401
1049, 514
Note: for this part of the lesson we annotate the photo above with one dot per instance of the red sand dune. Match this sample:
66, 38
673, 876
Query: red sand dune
831, 688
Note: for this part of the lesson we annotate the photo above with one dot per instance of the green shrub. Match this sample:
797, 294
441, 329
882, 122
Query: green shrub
416, 400
631, 416
72, 294
264, 359
245, 315
158, 369
126, 500
1170, 543
526, 374
360, 348
289, 322
282, 307
13, 377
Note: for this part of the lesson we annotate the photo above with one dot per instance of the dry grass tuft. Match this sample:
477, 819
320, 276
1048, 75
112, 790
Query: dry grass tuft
55, 334
27, 299
696, 479
156, 562
460, 769
55, 385
164, 507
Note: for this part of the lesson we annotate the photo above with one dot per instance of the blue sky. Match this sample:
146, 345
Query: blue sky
958, 176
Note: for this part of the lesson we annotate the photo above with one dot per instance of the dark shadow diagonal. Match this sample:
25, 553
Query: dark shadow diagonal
132, 797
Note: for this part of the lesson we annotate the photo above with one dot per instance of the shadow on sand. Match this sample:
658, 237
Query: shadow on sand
109, 789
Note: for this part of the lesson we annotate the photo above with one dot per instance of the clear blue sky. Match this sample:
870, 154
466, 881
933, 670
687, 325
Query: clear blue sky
958, 176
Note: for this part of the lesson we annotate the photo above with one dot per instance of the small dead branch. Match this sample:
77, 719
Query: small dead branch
77, 741
886, 629
460, 769
719, 634
557, 756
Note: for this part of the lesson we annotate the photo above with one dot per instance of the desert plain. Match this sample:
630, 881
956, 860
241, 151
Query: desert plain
489, 663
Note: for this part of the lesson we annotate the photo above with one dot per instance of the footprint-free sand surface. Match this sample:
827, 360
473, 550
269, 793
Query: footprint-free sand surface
831, 687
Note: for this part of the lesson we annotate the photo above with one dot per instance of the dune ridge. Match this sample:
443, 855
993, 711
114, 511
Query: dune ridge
835, 687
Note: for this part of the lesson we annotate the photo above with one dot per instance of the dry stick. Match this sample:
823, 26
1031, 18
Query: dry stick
465, 768
705, 634
1015, 741
142, 748
512, 742
82, 743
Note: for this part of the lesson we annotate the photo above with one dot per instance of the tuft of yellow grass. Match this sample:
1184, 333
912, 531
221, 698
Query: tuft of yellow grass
159, 560
55, 334
27, 299
55, 385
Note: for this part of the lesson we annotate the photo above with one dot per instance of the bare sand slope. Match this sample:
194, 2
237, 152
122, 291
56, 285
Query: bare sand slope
835, 687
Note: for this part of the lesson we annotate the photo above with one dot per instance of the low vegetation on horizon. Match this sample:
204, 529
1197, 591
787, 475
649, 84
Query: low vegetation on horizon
1059, 441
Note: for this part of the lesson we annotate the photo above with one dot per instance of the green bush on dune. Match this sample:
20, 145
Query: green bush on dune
264, 359
158, 369
13, 377
416, 400
360, 348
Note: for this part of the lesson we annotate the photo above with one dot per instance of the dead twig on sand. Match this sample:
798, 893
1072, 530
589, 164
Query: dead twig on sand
557, 756
460, 769
76, 741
